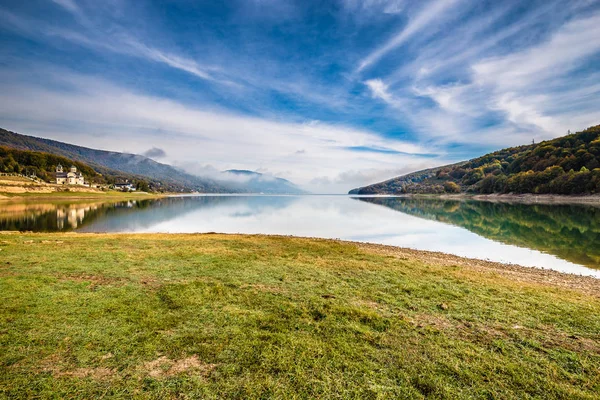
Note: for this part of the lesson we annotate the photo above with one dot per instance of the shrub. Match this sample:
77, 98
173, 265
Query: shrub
451, 187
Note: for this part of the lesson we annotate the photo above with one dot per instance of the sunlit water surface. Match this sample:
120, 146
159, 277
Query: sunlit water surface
564, 238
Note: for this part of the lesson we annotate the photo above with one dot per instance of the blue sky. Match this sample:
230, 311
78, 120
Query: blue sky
329, 94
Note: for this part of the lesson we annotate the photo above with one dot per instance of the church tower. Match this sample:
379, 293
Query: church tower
59, 168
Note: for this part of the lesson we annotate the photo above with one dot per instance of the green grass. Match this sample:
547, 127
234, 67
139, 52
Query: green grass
111, 194
217, 316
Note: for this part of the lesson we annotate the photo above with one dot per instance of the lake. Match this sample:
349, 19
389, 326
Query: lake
560, 237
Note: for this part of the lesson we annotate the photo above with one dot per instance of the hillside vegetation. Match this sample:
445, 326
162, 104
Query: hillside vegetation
566, 165
43, 166
163, 176
265, 317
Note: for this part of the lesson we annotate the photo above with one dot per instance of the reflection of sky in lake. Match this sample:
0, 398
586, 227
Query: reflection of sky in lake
568, 232
327, 217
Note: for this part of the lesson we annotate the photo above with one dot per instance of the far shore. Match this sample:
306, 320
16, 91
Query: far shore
528, 198
17, 191
17, 188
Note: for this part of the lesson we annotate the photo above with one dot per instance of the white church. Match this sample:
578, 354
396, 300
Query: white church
69, 178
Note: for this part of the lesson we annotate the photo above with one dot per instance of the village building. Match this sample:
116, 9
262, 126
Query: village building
125, 186
69, 178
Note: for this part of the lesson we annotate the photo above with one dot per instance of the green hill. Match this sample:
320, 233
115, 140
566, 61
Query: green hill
164, 176
43, 165
160, 176
566, 165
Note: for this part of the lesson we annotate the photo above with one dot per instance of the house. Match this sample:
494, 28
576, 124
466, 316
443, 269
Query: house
69, 178
125, 186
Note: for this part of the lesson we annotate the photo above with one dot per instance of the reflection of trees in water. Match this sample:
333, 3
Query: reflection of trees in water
121, 215
51, 217
571, 232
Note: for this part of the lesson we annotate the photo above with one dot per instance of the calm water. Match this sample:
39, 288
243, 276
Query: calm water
565, 238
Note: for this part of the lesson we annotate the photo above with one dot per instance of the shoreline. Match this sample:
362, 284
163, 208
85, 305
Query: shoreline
516, 272
512, 271
257, 316
527, 198
78, 195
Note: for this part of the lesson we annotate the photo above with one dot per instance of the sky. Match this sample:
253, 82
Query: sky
331, 95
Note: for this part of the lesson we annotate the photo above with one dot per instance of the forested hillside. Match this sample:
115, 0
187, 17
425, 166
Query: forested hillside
566, 165
43, 165
164, 176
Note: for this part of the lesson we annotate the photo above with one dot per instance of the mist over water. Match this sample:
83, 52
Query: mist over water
560, 237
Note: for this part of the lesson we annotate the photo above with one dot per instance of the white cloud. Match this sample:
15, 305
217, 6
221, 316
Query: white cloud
175, 61
233, 75
379, 90
368, 8
565, 50
69, 5
532, 92
430, 12
96, 113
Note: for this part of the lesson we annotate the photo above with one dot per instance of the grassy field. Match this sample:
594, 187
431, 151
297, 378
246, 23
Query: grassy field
19, 187
75, 195
228, 316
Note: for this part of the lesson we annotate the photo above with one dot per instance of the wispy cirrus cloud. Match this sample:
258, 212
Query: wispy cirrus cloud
119, 40
369, 8
185, 133
69, 5
116, 40
525, 90
430, 12
305, 89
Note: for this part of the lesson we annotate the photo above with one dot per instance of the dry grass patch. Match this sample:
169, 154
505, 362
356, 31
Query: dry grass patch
164, 367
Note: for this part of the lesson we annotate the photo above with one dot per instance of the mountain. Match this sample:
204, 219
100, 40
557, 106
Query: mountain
43, 165
162, 175
398, 185
255, 182
566, 165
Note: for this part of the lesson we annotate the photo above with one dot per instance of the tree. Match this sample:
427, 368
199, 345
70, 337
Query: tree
451, 187
142, 186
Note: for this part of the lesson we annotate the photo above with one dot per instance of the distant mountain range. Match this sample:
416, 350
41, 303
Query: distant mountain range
566, 165
259, 183
159, 175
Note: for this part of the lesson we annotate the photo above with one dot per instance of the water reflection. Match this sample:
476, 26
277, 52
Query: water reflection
571, 232
45, 217
558, 237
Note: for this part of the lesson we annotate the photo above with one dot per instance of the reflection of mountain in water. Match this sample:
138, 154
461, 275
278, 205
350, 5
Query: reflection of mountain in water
123, 216
161, 210
571, 232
